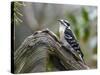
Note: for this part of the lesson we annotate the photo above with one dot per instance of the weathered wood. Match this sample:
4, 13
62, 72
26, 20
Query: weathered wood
34, 53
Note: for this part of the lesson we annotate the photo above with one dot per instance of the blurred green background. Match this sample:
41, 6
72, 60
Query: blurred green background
30, 17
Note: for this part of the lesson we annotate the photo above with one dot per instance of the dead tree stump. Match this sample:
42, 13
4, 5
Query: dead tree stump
42, 51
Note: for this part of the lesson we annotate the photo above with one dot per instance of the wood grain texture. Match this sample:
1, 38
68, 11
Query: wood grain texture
42, 51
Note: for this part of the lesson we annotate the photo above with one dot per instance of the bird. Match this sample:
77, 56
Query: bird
68, 38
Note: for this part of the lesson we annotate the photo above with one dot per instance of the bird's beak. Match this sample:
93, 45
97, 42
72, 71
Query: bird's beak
60, 21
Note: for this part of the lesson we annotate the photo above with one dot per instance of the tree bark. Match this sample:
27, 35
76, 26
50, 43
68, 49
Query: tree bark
34, 53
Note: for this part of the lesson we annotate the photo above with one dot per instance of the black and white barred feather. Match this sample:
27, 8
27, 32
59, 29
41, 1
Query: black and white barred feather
67, 36
70, 38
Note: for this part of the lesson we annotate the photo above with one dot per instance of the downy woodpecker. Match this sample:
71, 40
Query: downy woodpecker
68, 38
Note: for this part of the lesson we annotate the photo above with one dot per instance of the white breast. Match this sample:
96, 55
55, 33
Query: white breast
61, 31
62, 39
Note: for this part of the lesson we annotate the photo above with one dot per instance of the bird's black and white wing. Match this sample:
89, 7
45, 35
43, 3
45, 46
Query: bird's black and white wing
72, 41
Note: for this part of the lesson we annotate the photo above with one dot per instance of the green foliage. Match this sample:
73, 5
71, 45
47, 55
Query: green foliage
49, 65
86, 33
82, 27
95, 49
80, 24
85, 15
17, 14
72, 19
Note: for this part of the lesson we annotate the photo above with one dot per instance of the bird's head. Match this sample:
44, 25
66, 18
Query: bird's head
64, 23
